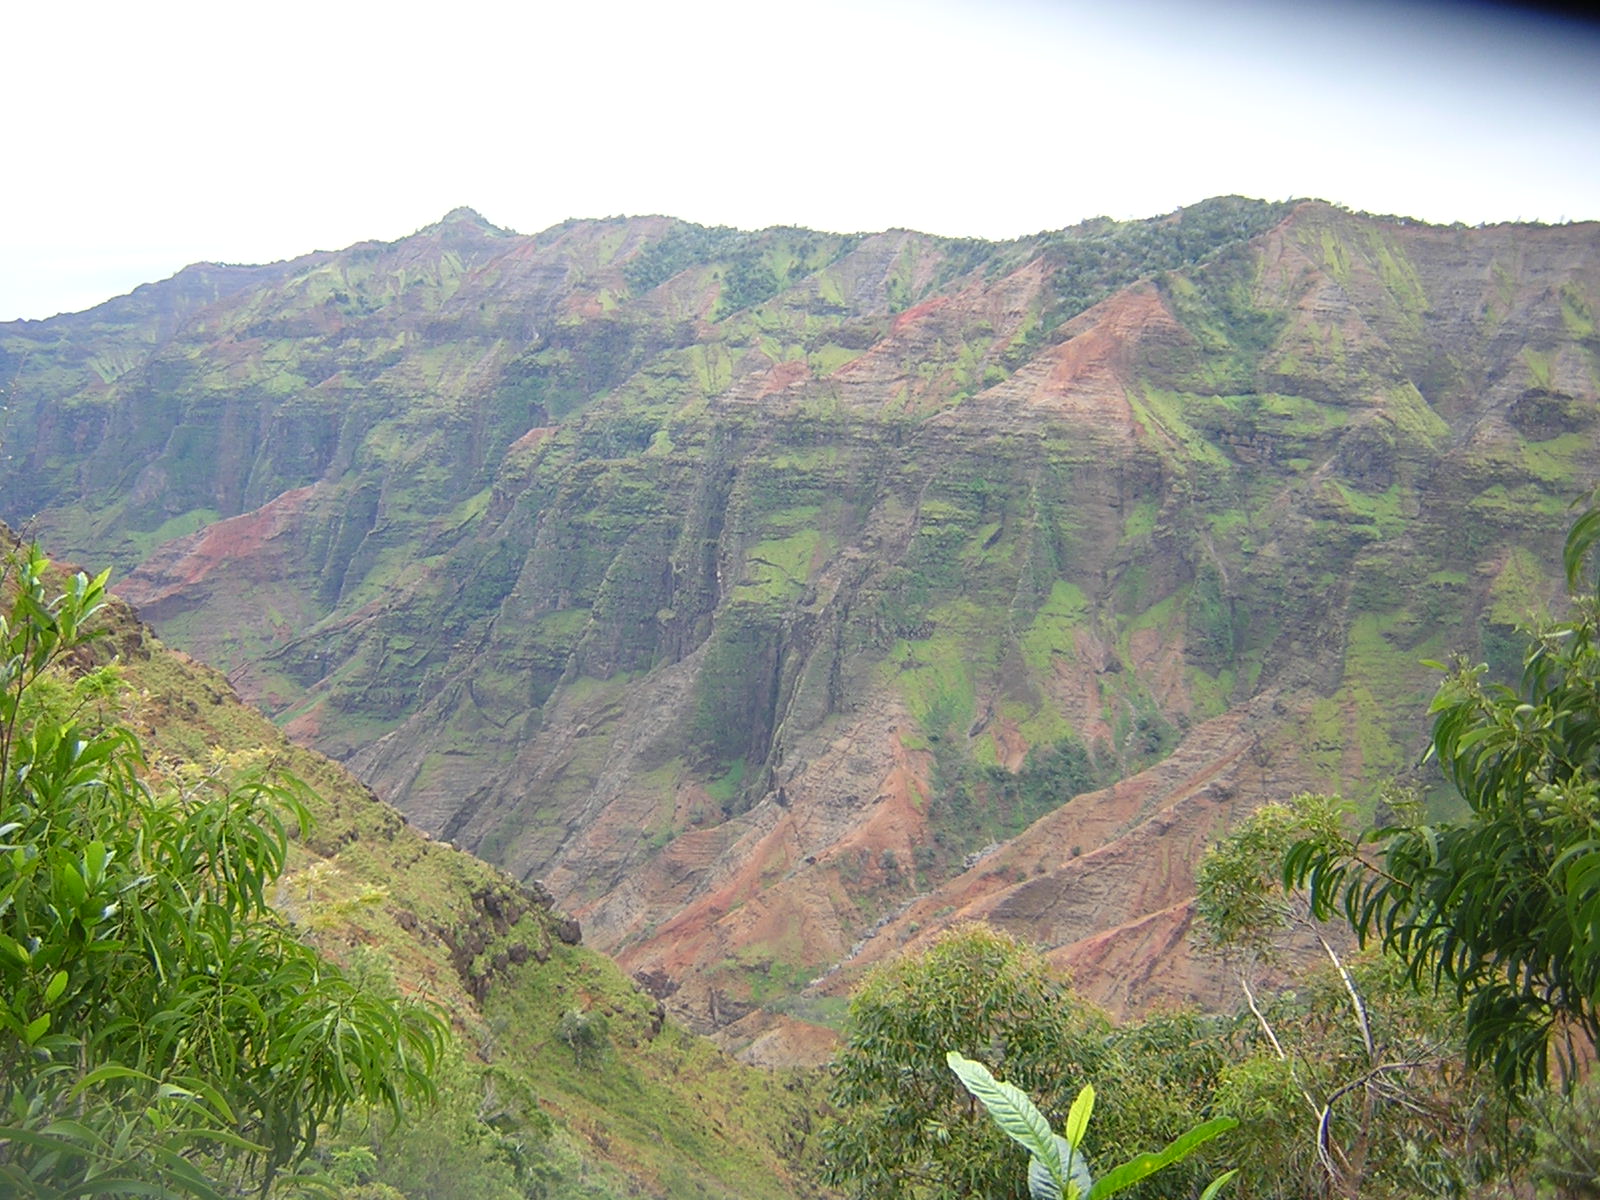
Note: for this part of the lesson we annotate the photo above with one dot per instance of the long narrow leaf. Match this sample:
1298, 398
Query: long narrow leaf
116, 1185
101, 1074
1145, 1165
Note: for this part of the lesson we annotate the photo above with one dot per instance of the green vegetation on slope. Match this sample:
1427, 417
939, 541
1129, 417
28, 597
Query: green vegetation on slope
416, 919
163, 1032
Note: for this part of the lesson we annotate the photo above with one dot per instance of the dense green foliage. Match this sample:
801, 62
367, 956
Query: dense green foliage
1240, 899
1566, 1158
1353, 1083
162, 1031
975, 804
906, 1126
752, 271
1501, 908
483, 1139
1057, 1165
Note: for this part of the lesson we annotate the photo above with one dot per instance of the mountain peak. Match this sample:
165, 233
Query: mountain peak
463, 218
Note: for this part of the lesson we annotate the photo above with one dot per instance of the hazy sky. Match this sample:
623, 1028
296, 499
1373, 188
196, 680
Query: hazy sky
141, 137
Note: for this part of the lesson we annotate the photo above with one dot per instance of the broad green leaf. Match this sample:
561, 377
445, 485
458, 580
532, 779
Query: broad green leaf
1012, 1111
16, 950
1042, 1186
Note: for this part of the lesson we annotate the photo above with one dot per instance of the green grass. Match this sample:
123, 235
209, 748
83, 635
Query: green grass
1064, 611
1541, 367
1162, 414
1577, 312
938, 676
181, 525
1384, 511
1209, 694
724, 787
682, 1118
1558, 461
1520, 590
1140, 520
1041, 725
1414, 417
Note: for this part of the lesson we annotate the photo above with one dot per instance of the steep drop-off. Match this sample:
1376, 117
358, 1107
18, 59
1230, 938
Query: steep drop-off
766, 595
653, 1110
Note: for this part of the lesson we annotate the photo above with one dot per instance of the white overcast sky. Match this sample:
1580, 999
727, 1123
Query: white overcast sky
144, 136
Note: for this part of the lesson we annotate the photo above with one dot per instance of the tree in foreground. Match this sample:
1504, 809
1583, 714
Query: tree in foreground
1502, 907
1058, 1166
1353, 1084
162, 1031
906, 1125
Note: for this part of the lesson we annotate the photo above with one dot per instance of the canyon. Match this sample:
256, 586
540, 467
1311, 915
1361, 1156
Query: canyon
778, 599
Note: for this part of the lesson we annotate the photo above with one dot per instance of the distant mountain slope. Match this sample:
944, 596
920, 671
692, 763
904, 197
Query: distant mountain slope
745, 587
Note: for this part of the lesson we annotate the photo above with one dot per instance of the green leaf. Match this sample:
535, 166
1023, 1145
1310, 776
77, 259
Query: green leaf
1580, 539
1042, 1186
1145, 1165
114, 1185
105, 1074
1078, 1115
56, 986
1214, 1188
1012, 1111
15, 950
95, 856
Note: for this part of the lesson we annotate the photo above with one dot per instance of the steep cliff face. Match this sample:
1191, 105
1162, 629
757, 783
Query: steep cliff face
746, 587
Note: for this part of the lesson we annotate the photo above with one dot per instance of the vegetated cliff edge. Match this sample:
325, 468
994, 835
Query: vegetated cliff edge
655, 1111
746, 588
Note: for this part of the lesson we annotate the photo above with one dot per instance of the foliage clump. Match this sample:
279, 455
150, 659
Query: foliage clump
1352, 1083
1058, 1168
906, 1125
162, 1030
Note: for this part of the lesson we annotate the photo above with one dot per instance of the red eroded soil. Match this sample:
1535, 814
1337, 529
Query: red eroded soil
789, 895
783, 376
184, 562
1105, 882
1088, 373
915, 315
